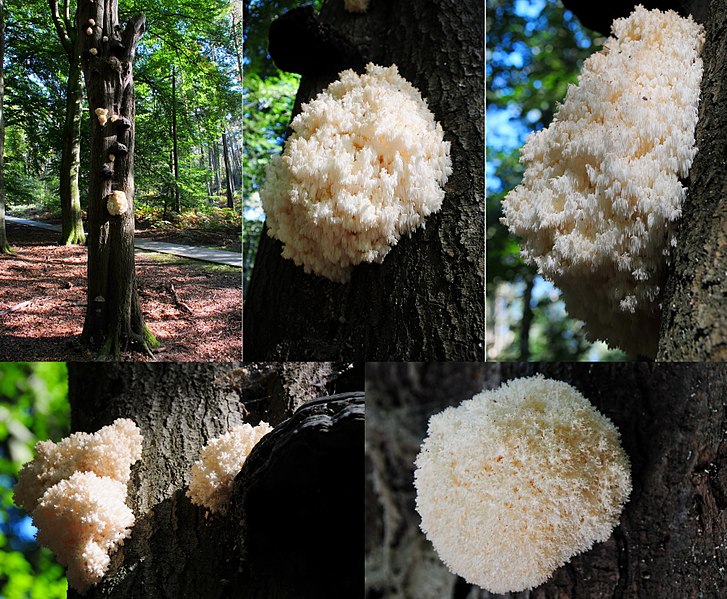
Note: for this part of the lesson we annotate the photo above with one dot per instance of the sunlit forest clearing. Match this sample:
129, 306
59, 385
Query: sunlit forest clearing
120, 124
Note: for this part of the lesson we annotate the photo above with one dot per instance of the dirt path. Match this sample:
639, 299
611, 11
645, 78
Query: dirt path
193, 309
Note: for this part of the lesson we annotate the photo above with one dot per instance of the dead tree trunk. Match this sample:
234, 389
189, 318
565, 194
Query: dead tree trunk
175, 551
426, 300
670, 542
114, 320
4, 245
694, 319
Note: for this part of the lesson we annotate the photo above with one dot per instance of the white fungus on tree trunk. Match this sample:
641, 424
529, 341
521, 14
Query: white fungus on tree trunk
356, 6
101, 112
514, 482
75, 491
117, 203
89, 31
219, 462
365, 164
600, 197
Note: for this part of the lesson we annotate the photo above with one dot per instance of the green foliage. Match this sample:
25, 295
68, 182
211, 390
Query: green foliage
534, 52
33, 406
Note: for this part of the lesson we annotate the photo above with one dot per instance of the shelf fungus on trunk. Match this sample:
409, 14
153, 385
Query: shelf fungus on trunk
601, 196
365, 165
514, 482
75, 490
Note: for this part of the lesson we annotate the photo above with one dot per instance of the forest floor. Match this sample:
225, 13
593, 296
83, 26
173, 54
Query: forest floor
193, 308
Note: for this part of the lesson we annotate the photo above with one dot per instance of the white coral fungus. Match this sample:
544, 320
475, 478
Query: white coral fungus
365, 165
356, 6
76, 492
219, 462
514, 482
597, 206
117, 203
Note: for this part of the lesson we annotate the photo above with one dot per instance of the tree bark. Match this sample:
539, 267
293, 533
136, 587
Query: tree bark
4, 245
670, 542
114, 321
426, 299
175, 550
694, 320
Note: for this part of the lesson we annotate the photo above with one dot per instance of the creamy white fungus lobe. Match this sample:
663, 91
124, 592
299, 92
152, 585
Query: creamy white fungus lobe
514, 482
75, 490
365, 164
117, 202
600, 197
220, 461
356, 6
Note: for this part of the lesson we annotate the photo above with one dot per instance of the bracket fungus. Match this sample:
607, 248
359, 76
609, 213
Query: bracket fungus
366, 164
75, 491
514, 482
601, 194
117, 203
212, 476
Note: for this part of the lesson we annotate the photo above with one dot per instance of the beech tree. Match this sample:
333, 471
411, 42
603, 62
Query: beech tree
72, 225
670, 541
114, 320
426, 299
301, 481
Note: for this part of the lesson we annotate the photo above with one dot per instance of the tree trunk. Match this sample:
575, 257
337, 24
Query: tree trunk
175, 550
228, 172
694, 319
670, 542
426, 299
4, 245
175, 148
114, 321
72, 225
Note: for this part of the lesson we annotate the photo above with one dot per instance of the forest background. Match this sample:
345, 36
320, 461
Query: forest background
188, 74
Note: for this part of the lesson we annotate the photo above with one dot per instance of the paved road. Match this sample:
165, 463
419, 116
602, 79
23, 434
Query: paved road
176, 249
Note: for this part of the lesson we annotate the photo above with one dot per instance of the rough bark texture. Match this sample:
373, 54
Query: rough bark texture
4, 246
175, 551
114, 319
694, 319
302, 483
426, 299
671, 539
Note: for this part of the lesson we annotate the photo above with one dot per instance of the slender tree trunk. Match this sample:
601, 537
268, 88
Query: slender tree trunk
694, 319
114, 321
4, 245
527, 320
426, 300
175, 550
215, 157
228, 172
670, 540
72, 230
175, 148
